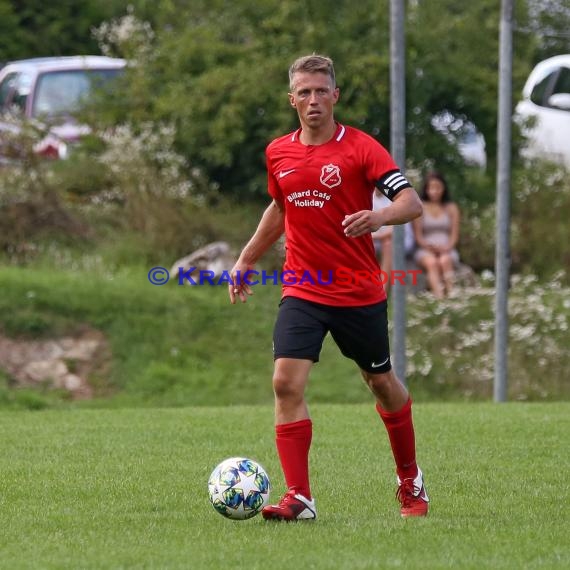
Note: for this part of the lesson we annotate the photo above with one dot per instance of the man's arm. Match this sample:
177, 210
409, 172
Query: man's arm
269, 229
406, 206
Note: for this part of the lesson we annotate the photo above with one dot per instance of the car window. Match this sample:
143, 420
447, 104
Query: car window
562, 84
22, 87
541, 89
63, 92
14, 92
6, 90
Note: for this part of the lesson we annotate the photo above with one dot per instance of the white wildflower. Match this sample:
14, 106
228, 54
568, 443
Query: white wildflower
487, 275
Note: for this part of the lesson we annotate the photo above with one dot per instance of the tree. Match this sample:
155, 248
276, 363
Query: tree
34, 28
221, 76
11, 42
218, 70
549, 24
219, 73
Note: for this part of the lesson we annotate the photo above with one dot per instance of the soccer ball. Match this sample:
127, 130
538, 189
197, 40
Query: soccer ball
239, 488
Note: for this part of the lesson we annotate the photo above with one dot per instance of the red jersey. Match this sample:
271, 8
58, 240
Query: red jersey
319, 185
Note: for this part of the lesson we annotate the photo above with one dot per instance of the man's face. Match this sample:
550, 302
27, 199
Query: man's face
314, 97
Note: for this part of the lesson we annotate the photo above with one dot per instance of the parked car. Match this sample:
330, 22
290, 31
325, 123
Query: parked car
544, 111
50, 91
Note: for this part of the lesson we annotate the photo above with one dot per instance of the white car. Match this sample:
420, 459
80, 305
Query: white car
49, 91
544, 111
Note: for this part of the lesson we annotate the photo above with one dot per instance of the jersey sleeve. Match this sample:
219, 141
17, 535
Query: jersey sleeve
272, 186
383, 172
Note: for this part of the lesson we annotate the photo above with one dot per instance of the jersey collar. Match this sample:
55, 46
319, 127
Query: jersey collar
339, 133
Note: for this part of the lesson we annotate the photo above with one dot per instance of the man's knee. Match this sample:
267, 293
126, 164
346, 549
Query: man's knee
286, 388
379, 383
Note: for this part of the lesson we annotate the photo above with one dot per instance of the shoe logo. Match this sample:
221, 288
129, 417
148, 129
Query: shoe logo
284, 173
330, 175
374, 365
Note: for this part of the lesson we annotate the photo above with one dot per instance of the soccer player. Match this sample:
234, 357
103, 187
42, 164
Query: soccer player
321, 178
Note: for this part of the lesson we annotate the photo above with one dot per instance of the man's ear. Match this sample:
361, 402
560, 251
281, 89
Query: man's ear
336, 94
292, 100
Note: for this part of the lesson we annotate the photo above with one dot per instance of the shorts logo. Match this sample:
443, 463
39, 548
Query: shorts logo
374, 365
330, 175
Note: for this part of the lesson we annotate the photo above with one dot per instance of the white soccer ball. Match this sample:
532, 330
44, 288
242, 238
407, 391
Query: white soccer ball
239, 488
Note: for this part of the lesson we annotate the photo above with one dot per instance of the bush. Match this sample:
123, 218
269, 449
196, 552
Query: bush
127, 183
541, 210
477, 236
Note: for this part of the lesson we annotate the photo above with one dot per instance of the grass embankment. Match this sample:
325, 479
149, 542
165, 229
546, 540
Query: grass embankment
175, 346
128, 489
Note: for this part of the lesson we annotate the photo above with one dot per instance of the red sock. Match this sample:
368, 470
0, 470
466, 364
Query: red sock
293, 441
400, 429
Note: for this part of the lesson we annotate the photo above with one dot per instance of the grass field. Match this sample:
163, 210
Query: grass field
127, 488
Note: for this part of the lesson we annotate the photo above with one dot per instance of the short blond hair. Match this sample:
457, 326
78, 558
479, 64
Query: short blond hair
312, 64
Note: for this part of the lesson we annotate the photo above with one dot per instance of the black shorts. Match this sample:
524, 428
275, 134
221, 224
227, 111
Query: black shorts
361, 333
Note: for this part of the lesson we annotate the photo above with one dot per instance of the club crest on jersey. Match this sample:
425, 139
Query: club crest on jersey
330, 175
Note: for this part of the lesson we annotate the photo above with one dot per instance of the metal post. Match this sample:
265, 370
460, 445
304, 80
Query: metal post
398, 151
502, 250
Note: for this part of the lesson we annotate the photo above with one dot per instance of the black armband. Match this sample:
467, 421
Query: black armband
392, 183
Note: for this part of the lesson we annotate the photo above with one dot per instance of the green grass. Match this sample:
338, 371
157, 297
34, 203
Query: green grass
179, 346
171, 345
128, 489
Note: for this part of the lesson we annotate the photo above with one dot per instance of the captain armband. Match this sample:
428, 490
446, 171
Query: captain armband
392, 183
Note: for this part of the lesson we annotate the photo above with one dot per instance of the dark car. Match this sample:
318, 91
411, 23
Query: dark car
50, 91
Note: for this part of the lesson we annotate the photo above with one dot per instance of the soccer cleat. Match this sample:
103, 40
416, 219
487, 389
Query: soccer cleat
292, 507
412, 495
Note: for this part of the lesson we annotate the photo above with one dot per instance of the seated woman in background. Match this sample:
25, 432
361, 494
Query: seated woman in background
437, 234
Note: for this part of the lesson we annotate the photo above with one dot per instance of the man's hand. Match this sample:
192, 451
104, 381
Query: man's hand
405, 207
363, 222
238, 287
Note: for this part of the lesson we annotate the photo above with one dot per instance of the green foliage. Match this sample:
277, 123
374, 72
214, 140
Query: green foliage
218, 73
222, 77
9, 45
450, 343
32, 208
128, 181
477, 236
28, 398
541, 232
129, 195
174, 345
128, 489
35, 28
223, 80
549, 22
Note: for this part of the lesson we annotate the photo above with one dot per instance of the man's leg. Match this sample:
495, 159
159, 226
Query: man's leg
293, 426
293, 435
395, 408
